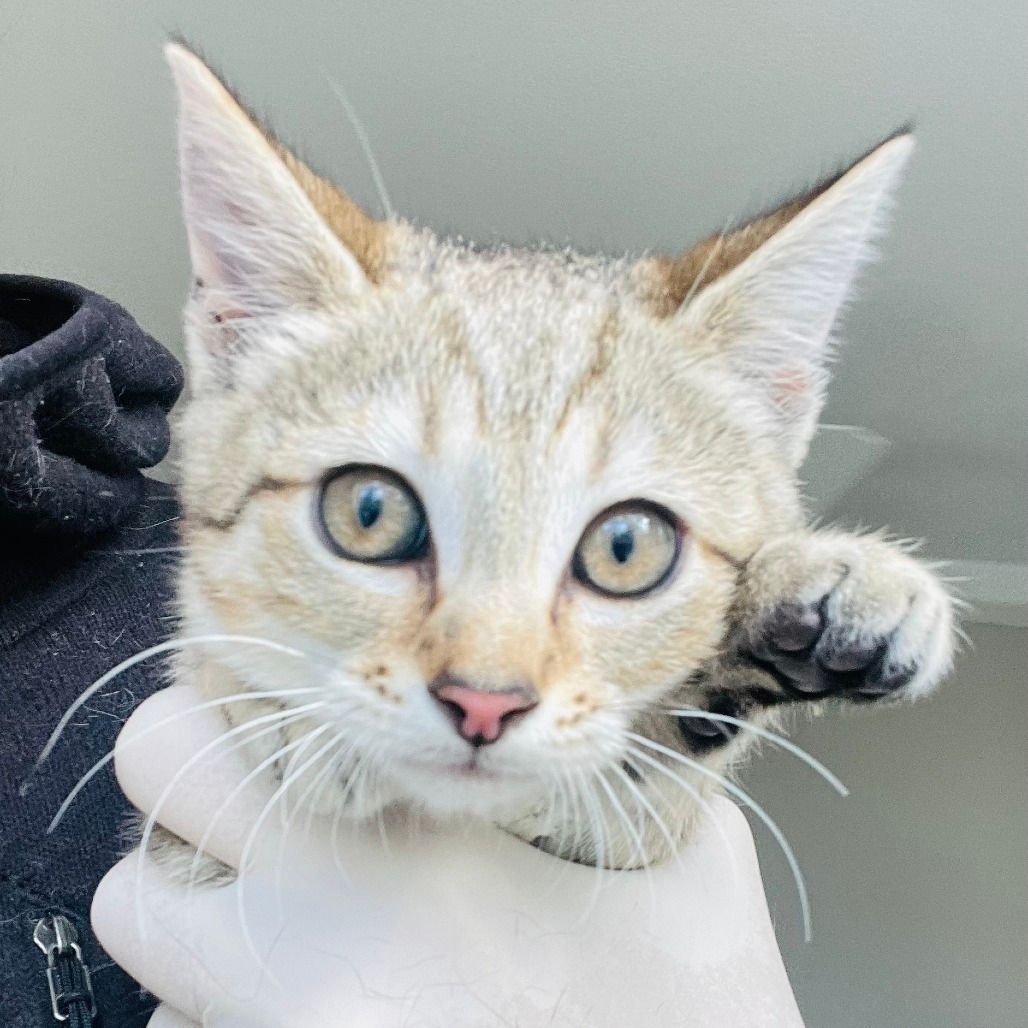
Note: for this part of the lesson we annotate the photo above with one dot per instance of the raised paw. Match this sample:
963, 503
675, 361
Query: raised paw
828, 614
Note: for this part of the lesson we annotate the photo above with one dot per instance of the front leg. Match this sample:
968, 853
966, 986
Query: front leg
826, 615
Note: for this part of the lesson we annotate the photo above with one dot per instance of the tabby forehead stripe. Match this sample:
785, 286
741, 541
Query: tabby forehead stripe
597, 367
263, 485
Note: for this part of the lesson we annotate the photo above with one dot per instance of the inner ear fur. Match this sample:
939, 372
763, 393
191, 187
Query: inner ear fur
362, 236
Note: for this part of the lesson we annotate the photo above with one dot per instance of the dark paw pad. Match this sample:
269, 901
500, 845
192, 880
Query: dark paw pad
812, 658
701, 734
879, 685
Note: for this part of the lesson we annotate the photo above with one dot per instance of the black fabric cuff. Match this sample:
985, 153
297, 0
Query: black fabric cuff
84, 398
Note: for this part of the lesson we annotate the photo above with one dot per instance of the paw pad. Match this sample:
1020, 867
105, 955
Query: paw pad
813, 658
705, 734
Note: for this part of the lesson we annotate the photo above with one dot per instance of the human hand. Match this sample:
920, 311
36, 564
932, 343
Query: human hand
388, 925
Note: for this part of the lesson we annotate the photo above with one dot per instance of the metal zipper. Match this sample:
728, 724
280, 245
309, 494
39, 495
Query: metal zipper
71, 990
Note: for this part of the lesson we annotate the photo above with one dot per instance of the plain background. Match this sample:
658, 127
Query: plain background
636, 126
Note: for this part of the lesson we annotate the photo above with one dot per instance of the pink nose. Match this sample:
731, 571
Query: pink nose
481, 715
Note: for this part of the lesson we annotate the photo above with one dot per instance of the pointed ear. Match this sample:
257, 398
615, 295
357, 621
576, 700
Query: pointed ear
764, 298
265, 233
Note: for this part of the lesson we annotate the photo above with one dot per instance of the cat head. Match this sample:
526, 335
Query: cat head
500, 499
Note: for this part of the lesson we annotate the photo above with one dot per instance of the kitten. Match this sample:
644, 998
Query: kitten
515, 507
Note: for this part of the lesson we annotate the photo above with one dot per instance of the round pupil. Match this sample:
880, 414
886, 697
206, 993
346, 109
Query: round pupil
622, 542
369, 505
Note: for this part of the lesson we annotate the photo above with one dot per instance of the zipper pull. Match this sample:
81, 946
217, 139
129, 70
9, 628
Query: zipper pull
66, 971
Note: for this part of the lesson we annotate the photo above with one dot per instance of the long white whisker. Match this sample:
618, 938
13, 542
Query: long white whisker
358, 771
251, 838
337, 818
141, 553
364, 792
330, 778
200, 849
365, 144
153, 651
635, 837
567, 814
757, 809
552, 818
698, 281
238, 788
297, 755
561, 828
637, 754
107, 758
773, 737
619, 810
275, 757
582, 816
278, 720
380, 817
317, 781
596, 821
641, 799
323, 780
605, 831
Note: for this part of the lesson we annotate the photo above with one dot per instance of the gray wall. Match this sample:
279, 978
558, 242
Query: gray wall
918, 880
641, 125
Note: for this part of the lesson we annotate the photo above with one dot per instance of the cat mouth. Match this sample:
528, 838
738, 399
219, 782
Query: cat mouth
470, 769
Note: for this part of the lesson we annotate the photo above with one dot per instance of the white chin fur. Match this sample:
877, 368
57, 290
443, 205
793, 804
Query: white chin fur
451, 792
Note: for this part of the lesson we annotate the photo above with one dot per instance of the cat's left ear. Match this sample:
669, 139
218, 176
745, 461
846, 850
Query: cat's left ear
765, 297
266, 234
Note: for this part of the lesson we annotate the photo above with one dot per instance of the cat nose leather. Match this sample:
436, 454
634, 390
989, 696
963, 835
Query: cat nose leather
481, 715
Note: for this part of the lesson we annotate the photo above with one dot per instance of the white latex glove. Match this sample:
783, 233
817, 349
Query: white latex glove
435, 927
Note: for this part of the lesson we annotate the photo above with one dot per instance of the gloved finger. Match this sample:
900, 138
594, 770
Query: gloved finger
176, 758
193, 951
182, 946
149, 941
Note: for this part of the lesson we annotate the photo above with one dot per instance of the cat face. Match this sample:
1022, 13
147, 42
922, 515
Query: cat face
499, 500
514, 451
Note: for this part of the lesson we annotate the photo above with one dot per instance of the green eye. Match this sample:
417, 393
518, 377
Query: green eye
371, 515
628, 550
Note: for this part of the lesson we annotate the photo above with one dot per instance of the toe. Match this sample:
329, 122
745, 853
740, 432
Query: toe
834, 655
793, 627
885, 680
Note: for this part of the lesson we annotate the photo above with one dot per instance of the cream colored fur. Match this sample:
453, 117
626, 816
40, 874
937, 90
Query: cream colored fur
520, 393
